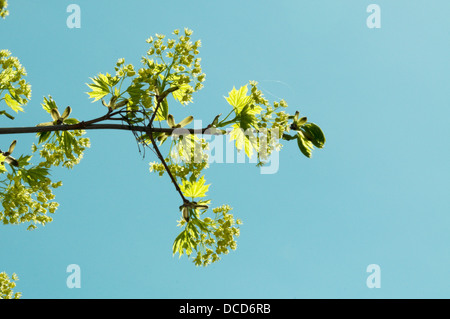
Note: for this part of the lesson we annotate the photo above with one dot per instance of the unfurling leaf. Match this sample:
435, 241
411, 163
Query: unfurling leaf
304, 145
170, 121
12, 146
66, 113
185, 121
238, 98
55, 114
313, 133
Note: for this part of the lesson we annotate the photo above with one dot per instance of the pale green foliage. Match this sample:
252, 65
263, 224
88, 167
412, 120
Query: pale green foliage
14, 90
7, 285
63, 148
258, 126
3, 6
141, 97
194, 189
182, 68
169, 66
26, 195
208, 237
26, 192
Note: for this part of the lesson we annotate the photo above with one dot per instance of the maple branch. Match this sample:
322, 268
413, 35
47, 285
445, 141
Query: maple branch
85, 126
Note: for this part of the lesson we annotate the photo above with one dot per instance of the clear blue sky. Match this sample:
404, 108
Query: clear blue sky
376, 194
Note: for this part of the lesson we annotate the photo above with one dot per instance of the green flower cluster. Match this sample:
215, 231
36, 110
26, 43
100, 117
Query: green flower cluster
11, 81
181, 70
219, 239
26, 195
7, 285
64, 148
208, 237
187, 157
259, 125
3, 6
171, 66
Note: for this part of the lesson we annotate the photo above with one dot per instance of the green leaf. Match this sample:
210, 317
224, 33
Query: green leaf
178, 243
34, 175
55, 114
194, 189
68, 141
45, 124
12, 103
100, 87
66, 113
243, 141
43, 136
170, 121
71, 121
304, 145
49, 104
238, 98
163, 111
185, 121
135, 91
247, 117
314, 134
179, 94
200, 224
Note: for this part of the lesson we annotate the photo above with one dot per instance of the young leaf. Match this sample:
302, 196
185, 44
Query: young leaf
242, 140
314, 134
43, 136
185, 121
247, 117
304, 145
179, 94
163, 111
100, 87
34, 175
195, 189
238, 98
12, 146
55, 114
66, 113
13, 104
170, 121
49, 104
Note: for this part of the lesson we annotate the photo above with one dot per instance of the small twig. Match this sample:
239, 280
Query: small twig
161, 158
155, 146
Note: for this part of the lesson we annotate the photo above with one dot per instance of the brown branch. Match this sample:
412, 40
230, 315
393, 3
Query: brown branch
161, 158
149, 129
107, 126
158, 153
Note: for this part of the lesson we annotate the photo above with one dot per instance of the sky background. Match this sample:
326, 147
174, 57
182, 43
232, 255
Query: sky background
378, 193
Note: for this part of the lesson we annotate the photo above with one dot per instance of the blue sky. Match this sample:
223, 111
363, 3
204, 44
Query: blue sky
376, 194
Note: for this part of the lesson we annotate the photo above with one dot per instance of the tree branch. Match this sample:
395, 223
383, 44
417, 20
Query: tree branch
158, 153
161, 158
108, 126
